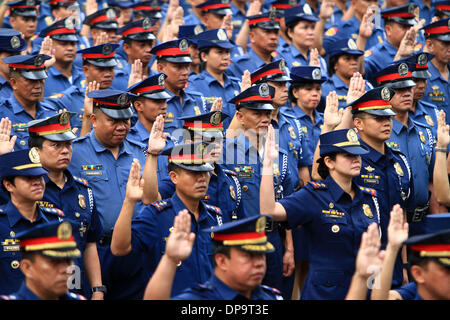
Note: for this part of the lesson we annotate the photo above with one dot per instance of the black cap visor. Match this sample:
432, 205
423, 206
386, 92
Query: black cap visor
65, 37
103, 62
33, 75
118, 113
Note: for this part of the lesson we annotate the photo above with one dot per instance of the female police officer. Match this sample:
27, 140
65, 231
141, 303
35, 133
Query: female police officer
334, 212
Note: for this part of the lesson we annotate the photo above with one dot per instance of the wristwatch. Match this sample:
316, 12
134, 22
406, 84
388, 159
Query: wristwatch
99, 289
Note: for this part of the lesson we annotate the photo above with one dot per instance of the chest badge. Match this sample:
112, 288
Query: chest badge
429, 120
367, 211
81, 201
422, 137
292, 132
398, 169
335, 228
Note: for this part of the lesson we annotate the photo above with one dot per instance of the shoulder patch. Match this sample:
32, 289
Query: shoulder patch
331, 32
273, 291
274, 54
368, 53
2, 211
199, 287
213, 209
394, 146
10, 297
370, 191
81, 181
54, 211
76, 296
318, 185
57, 95
229, 172
160, 205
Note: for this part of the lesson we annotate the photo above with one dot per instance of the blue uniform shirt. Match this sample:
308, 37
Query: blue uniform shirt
191, 18
224, 191
212, 89
71, 99
416, 142
295, 58
249, 61
120, 81
24, 293
333, 225
349, 29
336, 84
425, 12
377, 58
11, 223
152, 226
193, 104
426, 113
215, 289
438, 91
57, 82
106, 175
238, 19
12, 109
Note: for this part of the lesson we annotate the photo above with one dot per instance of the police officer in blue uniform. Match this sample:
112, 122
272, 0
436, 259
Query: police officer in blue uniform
124, 9
98, 65
304, 93
422, 111
27, 78
382, 166
189, 32
334, 212
397, 21
298, 53
173, 59
23, 18
238, 16
413, 138
212, 81
22, 179
264, 35
146, 234
346, 29
11, 43
243, 240
244, 155
438, 39
441, 9
63, 73
103, 158
56, 250
224, 189
103, 20
147, 9
53, 139
138, 39
344, 59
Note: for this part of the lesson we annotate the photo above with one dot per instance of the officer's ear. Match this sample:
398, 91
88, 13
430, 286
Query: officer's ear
160, 65
138, 105
26, 266
330, 163
357, 122
173, 175
221, 261
240, 116
418, 273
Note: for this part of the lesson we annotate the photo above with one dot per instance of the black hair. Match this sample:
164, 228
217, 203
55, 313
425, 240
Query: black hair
295, 86
30, 255
331, 63
203, 63
9, 179
358, 114
173, 167
323, 170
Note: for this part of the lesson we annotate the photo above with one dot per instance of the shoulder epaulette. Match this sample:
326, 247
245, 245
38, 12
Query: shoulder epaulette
199, 287
213, 209
2, 211
394, 146
161, 205
318, 185
274, 54
76, 296
6, 297
82, 181
230, 172
428, 104
34, 37
55, 211
370, 191
57, 95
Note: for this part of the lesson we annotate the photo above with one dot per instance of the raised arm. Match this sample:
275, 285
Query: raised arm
6, 141
88, 108
235, 128
121, 238
178, 248
266, 192
440, 175
397, 234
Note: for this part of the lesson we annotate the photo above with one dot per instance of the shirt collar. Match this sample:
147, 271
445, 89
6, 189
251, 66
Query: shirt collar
336, 191
337, 82
373, 154
178, 205
296, 53
99, 148
14, 216
226, 292
140, 130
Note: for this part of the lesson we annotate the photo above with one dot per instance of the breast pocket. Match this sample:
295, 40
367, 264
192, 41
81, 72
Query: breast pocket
334, 230
9, 265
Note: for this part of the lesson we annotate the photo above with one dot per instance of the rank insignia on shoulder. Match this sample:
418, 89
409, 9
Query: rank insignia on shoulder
318, 185
230, 172
57, 95
392, 145
214, 209
45, 204
161, 205
370, 191
274, 291
54, 211
368, 53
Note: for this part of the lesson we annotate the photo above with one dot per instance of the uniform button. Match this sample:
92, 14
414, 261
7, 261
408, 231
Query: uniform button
15, 264
22, 142
244, 187
77, 214
335, 228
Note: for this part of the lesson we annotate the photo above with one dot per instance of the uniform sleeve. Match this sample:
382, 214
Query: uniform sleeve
299, 207
166, 188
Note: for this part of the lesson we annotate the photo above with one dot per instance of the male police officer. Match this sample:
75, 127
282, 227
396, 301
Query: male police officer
189, 170
239, 262
27, 78
173, 59
23, 18
63, 73
104, 20
45, 266
52, 138
103, 158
